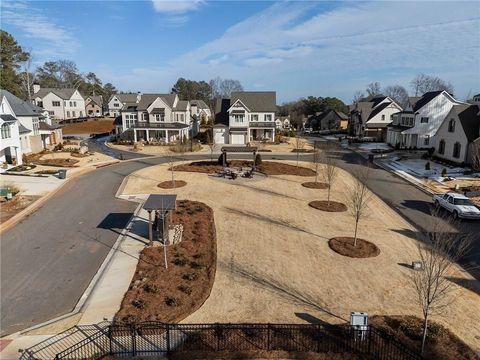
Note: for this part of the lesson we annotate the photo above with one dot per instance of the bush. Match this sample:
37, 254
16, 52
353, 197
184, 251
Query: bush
171, 301
427, 165
258, 160
444, 172
190, 276
139, 303
413, 328
185, 289
151, 288
196, 265
180, 262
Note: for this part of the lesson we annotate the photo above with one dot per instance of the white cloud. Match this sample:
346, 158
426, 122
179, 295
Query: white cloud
176, 7
302, 49
54, 39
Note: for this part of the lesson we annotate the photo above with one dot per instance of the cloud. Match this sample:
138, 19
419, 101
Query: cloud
306, 48
54, 39
176, 7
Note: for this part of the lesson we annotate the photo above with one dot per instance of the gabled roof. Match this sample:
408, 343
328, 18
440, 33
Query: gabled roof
425, 99
42, 125
182, 105
200, 104
221, 114
256, 101
377, 100
470, 119
64, 94
22, 129
97, 99
21, 107
378, 109
147, 99
125, 98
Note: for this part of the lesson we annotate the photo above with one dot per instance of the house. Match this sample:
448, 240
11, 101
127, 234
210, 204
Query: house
246, 116
157, 117
94, 106
283, 123
457, 133
10, 147
118, 101
372, 116
330, 120
422, 121
35, 126
61, 104
200, 110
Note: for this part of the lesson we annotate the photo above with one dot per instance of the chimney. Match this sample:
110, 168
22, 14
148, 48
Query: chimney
36, 88
139, 96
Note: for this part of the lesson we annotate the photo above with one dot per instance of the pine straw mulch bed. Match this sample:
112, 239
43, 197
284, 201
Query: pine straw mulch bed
58, 162
266, 167
170, 295
344, 246
324, 205
169, 184
441, 344
12, 207
227, 355
315, 185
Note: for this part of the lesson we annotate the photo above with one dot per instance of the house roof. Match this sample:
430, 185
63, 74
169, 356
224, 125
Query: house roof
378, 109
256, 100
200, 104
377, 100
182, 105
64, 94
412, 100
162, 202
147, 99
97, 99
22, 129
21, 107
221, 114
470, 119
8, 118
125, 98
425, 99
42, 125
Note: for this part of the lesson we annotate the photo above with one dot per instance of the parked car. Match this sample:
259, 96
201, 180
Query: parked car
459, 205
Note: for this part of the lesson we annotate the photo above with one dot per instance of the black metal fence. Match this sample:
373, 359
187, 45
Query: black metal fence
151, 338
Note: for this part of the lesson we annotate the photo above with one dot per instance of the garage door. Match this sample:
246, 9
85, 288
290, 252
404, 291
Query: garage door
219, 137
238, 139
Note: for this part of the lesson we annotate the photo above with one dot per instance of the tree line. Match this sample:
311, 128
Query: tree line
18, 77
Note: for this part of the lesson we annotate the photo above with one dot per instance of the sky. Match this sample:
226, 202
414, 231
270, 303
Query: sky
297, 48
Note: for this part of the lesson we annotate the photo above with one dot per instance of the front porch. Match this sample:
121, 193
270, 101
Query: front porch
166, 133
262, 134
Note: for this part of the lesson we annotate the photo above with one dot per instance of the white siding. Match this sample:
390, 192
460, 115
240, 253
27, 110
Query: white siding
450, 138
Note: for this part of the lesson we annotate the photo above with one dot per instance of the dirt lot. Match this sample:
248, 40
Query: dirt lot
169, 295
65, 159
14, 206
89, 127
274, 264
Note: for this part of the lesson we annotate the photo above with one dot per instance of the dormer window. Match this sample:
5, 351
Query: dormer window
424, 120
451, 125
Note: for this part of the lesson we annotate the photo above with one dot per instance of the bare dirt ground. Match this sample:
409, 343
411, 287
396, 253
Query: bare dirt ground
63, 159
100, 126
274, 264
14, 206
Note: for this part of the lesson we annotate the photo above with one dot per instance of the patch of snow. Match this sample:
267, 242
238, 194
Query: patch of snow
372, 146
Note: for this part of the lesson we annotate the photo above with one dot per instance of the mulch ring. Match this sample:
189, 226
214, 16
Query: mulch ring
172, 184
266, 167
315, 185
324, 205
344, 246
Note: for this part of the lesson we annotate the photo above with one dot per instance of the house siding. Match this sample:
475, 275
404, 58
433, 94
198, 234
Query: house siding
451, 138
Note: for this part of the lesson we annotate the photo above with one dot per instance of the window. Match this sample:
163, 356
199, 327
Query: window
456, 150
268, 117
145, 116
40, 103
424, 120
68, 114
81, 113
51, 113
116, 104
391, 117
159, 117
450, 200
56, 103
383, 117
451, 125
35, 126
64, 103
75, 103
426, 141
179, 117
238, 118
254, 117
441, 147
73, 114
6, 131
71, 104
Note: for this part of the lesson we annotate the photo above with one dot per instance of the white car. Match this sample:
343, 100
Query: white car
459, 205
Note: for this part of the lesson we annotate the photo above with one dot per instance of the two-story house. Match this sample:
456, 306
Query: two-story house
372, 117
158, 117
61, 104
118, 101
10, 147
36, 130
94, 106
247, 116
201, 111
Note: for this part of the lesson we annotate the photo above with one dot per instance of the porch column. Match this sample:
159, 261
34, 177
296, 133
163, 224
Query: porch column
273, 134
148, 137
134, 135
18, 158
167, 140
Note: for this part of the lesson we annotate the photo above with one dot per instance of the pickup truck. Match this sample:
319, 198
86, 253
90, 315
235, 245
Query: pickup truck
460, 206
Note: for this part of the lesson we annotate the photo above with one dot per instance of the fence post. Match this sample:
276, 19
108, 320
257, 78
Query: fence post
268, 337
318, 337
134, 340
217, 325
110, 350
370, 334
168, 338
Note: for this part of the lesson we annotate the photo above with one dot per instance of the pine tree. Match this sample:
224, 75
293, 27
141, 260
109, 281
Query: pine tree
12, 55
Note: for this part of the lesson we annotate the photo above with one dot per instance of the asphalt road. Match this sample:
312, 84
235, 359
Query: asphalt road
48, 260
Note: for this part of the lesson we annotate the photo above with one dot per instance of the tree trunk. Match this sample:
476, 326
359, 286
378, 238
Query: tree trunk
173, 179
424, 336
316, 173
298, 153
328, 196
355, 237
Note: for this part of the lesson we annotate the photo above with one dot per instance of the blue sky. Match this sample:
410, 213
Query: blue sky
297, 48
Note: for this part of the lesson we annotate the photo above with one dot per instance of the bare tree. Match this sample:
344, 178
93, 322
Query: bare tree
358, 197
330, 170
397, 93
439, 251
358, 96
423, 83
299, 145
373, 89
475, 151
171, 159
28, 78
210, 144
316, 161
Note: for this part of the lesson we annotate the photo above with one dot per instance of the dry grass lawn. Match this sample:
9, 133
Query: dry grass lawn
274, 263
288, 146
151, 149
82, 161
89, 127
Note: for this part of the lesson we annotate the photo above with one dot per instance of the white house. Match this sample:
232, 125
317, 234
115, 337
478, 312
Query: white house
282, 122
10, 146
61, 104
372, 117
456, 134
158, 117
429, 113
202, 111
118, 101
35, 126
247, 116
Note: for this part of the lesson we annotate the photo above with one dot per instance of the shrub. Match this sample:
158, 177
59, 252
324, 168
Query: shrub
180, 262
185, 289
171, 301
258, 160
413, 328
139, 303
444, 172
196, 265
151, 288
427, 165
190, 276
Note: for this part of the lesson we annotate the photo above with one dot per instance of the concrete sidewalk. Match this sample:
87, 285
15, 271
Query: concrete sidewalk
104, 295
31, 185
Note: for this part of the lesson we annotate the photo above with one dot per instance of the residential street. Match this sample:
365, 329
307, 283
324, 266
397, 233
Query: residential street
48, 260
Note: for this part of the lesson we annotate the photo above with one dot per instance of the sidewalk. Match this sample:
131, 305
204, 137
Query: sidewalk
103, 296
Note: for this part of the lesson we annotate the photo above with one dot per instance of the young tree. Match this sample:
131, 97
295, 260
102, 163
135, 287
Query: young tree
423, 83
299, 145
317, 158
171, 159
358, 197
439, 251
330, 169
